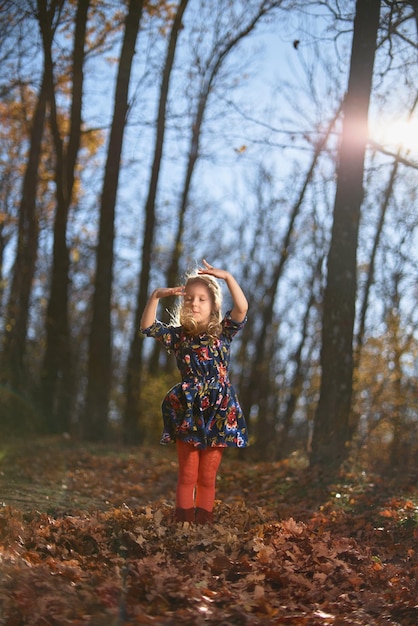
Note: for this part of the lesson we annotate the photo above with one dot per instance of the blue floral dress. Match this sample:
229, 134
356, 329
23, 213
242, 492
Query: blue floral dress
203, 409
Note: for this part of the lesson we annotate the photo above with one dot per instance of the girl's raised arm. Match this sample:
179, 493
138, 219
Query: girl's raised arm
240, 308
150, 311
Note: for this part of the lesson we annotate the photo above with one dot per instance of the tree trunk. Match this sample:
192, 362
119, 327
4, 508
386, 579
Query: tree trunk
57, 376
17, 313
372, 263
331, 426
299, 376
396, 350
132, 428
254, 392
95, 417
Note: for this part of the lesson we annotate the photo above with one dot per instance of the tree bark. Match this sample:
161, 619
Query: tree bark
17, 310
331, 426
95, 416
57, 376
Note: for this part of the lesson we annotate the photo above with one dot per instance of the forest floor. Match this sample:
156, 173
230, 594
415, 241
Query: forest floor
87, 538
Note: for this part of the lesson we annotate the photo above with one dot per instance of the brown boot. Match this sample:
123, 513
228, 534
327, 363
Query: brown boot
203, 516
184, 515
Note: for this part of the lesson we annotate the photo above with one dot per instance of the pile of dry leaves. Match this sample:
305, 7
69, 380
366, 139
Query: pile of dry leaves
87, 538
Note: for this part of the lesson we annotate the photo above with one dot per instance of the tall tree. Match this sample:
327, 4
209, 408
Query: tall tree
256, 390
13, 133
57, 371
99, 379
331, 426
17, 313
299, 364
376, 241
131, 424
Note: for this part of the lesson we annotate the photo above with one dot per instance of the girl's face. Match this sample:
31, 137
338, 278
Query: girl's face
199, 302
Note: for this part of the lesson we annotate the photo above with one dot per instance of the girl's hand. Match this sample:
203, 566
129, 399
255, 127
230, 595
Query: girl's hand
212, 271
240, 308
166, 292
150, 311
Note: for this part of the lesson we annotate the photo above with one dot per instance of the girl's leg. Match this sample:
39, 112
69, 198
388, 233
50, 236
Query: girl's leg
209, 462
188, 458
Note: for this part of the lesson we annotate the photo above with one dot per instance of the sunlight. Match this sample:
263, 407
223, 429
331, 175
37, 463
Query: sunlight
396, 133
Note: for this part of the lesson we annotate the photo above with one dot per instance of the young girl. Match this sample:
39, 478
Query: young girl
202, 413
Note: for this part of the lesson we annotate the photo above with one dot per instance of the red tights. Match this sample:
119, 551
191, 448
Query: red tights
197, 476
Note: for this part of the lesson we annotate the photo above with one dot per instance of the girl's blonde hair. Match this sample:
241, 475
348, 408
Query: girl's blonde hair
184, 317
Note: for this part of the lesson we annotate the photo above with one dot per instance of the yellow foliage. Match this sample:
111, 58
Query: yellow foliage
153, 391
385, 391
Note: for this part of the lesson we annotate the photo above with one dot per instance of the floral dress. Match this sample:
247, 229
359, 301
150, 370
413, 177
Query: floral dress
203, 409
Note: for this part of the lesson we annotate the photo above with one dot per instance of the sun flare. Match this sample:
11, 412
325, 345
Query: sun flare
393, 134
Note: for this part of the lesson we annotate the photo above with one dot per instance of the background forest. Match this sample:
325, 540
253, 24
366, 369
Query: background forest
277, 139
